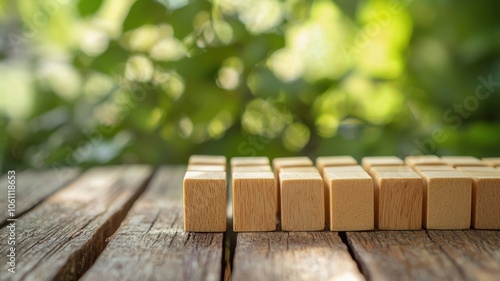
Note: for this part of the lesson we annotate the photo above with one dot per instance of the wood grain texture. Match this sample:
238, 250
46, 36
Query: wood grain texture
62, 237
33, 186
254, 201
205, 201
351, 201
302, 201
427, 255
151, 244
476, 253
293, 256
447, 200
398, 200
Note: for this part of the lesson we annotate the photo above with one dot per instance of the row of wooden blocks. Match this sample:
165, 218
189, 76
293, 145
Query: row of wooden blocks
387, 193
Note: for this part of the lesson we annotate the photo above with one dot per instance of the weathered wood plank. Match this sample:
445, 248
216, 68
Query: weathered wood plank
60, 238
151, 243
293, 256
32, 186
417, 255
476, 252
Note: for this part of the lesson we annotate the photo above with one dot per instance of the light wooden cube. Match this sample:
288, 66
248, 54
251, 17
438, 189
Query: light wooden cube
302, 201
266, 168
283, 162
206, 168
299, 170
423, 160
462, 161
207, 160
250, 161
351, 201
398, 200
492, 161
337, 169
422, 168
329, 161
396, 169
447, 200
368, 162
254, 201
485, 200
205, 201
485, 169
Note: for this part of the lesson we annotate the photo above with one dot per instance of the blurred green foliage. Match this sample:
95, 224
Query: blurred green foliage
125, 81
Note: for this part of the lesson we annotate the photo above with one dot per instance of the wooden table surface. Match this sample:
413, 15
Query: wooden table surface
125, 223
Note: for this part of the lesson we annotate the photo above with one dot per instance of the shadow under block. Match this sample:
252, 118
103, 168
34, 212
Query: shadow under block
462, 161
254, 201
351, 201
207, 160
423, 160
329, 161
447, 200
205, 201
250, 161
485, 200
398, 200
368, 162
302, 201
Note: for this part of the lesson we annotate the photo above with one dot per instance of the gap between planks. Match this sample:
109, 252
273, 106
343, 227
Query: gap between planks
63, 236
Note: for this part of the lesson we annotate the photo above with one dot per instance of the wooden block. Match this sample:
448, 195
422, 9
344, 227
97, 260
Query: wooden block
447, 200
423, 160
492, 161
335, 169
302, 201
254, 202
351, 201
246, 169
396, 169
422, 168
356, 168
207, 160
250, 161
398, 200
299, 170
462, 161
206, 168
485, 169
205, 201
485, 200
282, 162
329, 161
368, 162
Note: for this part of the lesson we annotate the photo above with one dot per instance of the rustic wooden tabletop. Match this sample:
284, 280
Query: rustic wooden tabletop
125, 223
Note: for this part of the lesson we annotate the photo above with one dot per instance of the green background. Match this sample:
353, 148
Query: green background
121, 81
